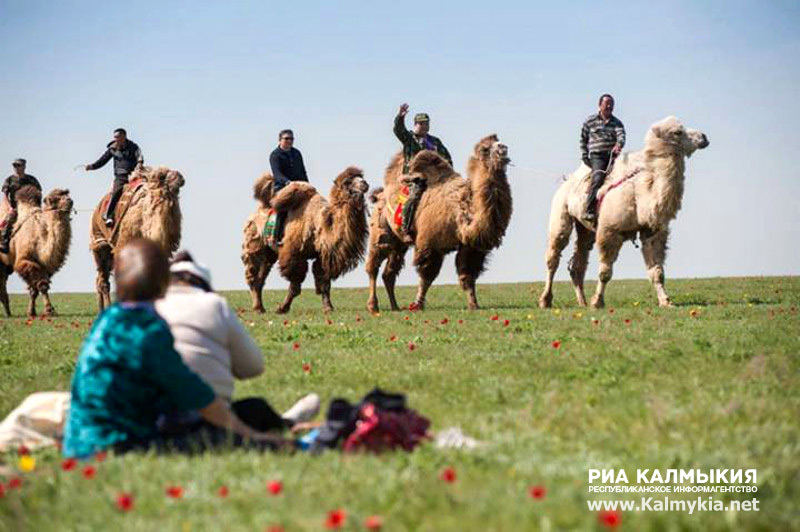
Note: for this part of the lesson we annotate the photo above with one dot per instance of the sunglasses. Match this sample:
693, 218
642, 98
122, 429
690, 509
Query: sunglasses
287, 138
17, 165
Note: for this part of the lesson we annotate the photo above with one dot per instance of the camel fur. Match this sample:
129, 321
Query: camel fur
469, 216
332, 233
39, 246
153, 212
642, 195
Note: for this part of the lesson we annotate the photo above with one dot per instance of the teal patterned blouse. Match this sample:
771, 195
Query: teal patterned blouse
128, 373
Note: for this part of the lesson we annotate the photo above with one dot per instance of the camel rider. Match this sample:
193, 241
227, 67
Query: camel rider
11, 185
286, 163
602, 139
414, 142
127, 156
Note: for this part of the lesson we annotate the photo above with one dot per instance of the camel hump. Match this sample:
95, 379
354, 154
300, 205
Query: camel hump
262, 189
29, 195
293, 195
427, 160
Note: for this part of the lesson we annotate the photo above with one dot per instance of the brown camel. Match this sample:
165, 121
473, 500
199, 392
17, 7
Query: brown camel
39, 245
469, 216
332, 233
642, 195
149, 208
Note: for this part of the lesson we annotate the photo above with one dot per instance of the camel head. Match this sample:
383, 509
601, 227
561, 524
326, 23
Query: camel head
58, 200
162, 183
350, 185
262, 189
492, 153
670, 135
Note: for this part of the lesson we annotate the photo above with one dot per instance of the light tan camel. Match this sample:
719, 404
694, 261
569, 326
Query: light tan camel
469, 216
149, 208
39, 245
642, 195
332, 233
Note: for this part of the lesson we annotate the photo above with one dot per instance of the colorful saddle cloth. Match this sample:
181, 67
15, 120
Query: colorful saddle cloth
400, 199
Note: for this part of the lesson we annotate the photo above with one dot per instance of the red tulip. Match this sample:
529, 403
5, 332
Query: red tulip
444, 321
89, 472
125, 501
495, 317
411, 346
595, 321
275, 487
448, 474
307, 367
393, 338
274, 528
413, 307
693, 313
2, 491
223, 491
405, 318
285, 323
609, 518
537, 492
14, 483
506, 323
176, 492
336, 519
611, 311
68, 464
627, 321
101, 456
556, 344
373, 522
460, 322
296, 346
22, 450
358, 318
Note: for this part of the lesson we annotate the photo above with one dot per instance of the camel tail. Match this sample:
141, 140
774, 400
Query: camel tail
375, 195
292, 196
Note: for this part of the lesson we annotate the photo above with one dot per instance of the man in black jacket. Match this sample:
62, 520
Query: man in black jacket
11, 185
127, 156
286, 163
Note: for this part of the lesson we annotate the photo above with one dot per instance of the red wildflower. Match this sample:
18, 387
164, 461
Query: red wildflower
307, 367
611, 311
627, 321
556, 344
460, 322
413, 306
506, 323
69, 464
296, 346
14, 483
411, 346
22, 450
444, 321
336, 519
28, 321
373, 522
537, 492
89, 472
274, 528
176, 492
275, 487
595, 321
393, 338
358, 318
448, 474
285, 323
609, 518
693, 313
427, 322
125, 501
329, 321
223, 491
405, 318
101, 456
2, 491
495, 317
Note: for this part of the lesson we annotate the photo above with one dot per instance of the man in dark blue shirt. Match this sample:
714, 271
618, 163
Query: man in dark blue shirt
286, 163
127, 156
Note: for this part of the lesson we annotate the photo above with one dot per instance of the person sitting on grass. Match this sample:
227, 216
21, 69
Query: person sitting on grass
128, 373
214, 344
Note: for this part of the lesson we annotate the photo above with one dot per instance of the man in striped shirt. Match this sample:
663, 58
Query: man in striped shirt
602, 139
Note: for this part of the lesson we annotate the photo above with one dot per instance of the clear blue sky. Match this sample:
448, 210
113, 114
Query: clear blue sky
205, 89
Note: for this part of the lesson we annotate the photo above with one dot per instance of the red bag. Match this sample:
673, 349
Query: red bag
380, 430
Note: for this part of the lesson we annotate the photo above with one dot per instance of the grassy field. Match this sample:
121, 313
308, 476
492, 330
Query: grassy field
711, 383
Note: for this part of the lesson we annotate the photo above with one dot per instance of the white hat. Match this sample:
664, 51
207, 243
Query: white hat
198, 270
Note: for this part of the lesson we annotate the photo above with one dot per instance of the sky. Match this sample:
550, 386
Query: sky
205, 89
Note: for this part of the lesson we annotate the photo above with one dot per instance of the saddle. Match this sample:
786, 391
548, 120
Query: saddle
265, 220
124, 203
400, 199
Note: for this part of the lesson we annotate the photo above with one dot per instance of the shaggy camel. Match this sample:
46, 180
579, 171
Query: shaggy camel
332, 233
469, 216
641, 196
149, 208
39, 245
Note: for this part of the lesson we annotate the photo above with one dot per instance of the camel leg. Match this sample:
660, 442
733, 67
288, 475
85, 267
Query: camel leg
34, 277
390, 273
375, 257
608, 245
560, 229
428, 263
103, 262
469, 265
44, 288
322, 285
256, 268
579, 260
654, 251
296, 274
4, 291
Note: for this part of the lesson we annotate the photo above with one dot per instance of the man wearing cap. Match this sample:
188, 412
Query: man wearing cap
286, 163
414, 142
127, 156
602, 139
12, 184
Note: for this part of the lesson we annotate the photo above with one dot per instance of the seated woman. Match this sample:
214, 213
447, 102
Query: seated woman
128, 373
215, 345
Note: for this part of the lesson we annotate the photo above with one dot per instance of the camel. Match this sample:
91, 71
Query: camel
149, 208
642, 195
469, 216
332, 233
39, 247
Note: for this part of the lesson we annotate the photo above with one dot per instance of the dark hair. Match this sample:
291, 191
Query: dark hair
284, 132
141, 271
186, 277
182, 256
600, 101
120, 130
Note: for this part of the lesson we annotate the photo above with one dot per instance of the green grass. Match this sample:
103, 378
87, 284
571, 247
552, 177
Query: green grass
667, 390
